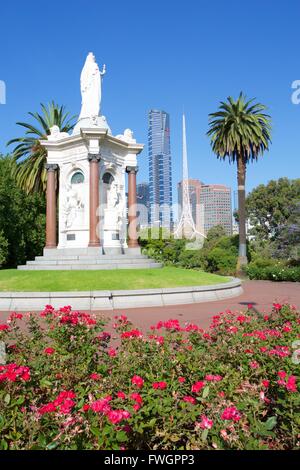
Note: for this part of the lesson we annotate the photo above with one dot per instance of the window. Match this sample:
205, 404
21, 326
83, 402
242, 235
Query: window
107, 178
77, 178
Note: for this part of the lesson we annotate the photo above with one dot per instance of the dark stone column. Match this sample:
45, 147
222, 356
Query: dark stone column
51, 241
132, 218
94, 200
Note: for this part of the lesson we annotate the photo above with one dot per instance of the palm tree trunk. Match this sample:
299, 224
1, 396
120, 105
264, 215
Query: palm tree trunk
241, 178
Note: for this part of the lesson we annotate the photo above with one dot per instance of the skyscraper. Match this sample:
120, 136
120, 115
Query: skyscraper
160, 173
216, 200
143, 201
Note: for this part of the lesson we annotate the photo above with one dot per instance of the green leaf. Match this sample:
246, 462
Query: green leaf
45, 383
271, 423
3, 444
204, 435
121, 436
20, 400
7, 398
52, 445
205, 391
96, 431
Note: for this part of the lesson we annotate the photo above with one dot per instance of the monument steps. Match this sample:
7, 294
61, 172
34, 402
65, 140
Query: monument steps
107, 266
87, 259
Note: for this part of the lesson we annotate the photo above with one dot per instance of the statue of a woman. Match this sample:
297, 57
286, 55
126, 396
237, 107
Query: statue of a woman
90, 84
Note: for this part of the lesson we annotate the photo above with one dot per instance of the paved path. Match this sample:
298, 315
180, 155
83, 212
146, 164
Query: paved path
261, 294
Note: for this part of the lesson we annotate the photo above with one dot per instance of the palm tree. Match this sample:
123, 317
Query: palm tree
240, 131
30, 171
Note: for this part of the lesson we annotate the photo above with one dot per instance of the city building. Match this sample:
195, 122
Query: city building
160, 172
216, 205
143, 202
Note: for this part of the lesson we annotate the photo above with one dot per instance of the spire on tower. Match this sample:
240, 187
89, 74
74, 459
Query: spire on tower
186, 226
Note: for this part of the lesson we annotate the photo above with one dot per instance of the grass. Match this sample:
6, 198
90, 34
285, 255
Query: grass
39, 281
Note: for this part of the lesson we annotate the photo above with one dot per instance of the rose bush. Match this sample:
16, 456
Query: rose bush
69, 384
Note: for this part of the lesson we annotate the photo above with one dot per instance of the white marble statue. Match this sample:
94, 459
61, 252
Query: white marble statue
72, 204
55, 134
113, 196
90, 84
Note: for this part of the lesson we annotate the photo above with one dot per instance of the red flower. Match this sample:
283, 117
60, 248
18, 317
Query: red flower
254, 365
231, 413
112, 352
282, 374
102, 405
12, 372
197, 387
250, 306
291, 385
266, 383
213, 378
138, 381
136, 397
49, 351
181, 380
189, 399
121, 395
95, 376
132, 334
277, 306
4, 327
86, 407
159, 385
49, 408
115, 416
205, 423
15, 316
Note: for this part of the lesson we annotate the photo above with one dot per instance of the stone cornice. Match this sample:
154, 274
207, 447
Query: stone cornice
91, 133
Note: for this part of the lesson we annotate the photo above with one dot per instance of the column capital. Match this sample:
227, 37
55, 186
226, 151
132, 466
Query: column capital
51, 166
94, 157
132, 169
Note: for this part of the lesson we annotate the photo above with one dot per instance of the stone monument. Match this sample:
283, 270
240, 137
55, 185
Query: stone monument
93, 166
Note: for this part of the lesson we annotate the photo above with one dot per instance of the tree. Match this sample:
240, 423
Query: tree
22, 219
269, 207
240, 131
30, 171
287, 243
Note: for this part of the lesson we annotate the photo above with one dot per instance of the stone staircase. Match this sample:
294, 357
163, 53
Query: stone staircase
90, 259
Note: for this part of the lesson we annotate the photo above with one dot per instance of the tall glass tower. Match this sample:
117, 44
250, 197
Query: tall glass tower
160, 171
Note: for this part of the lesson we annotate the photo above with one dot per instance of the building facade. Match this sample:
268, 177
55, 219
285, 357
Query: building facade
216, 205
143, 202
160, 170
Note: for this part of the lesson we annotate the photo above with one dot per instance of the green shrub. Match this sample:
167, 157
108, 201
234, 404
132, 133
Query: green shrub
3, 248
274, 273
177, 387
168, 251
221, 261
191, 259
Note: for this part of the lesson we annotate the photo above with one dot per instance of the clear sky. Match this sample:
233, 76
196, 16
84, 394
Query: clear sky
164, 54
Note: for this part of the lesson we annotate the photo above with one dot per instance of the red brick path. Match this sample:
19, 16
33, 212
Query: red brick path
261, 294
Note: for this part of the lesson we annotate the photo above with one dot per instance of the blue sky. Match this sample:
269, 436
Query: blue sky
159, 54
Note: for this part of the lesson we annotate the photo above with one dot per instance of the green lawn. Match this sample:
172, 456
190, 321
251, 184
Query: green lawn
14, 280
